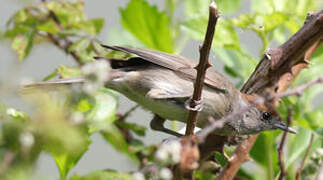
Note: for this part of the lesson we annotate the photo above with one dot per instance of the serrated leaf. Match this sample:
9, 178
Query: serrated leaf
22, 44
122, 37
147, 24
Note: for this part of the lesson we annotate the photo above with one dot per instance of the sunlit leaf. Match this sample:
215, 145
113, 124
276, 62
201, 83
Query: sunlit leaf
48, 26
145, 27
197, 7
66, 161
22, 44
225, 34
228, 6
68, 71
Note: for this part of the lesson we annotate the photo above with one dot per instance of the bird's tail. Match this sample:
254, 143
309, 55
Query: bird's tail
50, 85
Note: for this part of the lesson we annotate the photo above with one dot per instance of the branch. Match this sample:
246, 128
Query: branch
277, 71
299, 170
201, 69
56, 40
280, 152
299, 90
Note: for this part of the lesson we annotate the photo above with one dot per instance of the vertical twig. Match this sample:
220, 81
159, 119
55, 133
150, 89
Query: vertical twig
201, 69
281, 163
299, 170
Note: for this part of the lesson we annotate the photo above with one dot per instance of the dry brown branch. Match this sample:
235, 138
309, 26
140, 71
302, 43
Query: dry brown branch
299, 170
201, 69
280, 152
299, 90
277, 73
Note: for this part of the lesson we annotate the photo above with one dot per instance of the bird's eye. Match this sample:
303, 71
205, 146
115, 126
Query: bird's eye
266, 116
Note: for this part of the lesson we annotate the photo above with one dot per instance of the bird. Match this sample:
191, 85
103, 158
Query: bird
163, 83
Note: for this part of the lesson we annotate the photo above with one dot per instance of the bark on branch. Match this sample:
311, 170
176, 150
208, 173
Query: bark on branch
201, 68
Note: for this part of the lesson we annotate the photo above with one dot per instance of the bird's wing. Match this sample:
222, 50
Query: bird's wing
176, 63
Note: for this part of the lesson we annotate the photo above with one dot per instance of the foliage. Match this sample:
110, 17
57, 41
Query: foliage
62, 126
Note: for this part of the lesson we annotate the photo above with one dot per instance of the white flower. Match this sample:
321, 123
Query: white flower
26, 139
77, 117
138, 176
98, 69
11, 112
165, 174
96, 74
169, 152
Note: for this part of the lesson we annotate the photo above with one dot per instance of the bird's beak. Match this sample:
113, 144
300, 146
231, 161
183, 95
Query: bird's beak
284, 127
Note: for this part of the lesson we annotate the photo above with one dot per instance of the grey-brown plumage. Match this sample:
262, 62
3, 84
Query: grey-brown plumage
162, 83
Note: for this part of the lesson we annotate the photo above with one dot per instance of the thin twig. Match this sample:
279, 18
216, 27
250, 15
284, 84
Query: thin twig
281, 163
299, 90
201, 68
300, 169
126, 114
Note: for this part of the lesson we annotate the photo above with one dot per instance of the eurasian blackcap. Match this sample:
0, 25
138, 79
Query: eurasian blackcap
163, 83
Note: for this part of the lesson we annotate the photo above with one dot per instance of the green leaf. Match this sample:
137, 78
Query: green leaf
225, 34
204, 175
68, 13
228, 6
116, 139
84, 49
139, 130
264, 152
67, 160
98, 24
298, 145
196, 7
103, 114
68, 71
51, 75
80, 45
48, 26
148, 25
2, 111
103, 175
119, 36
22, 44
220, 158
